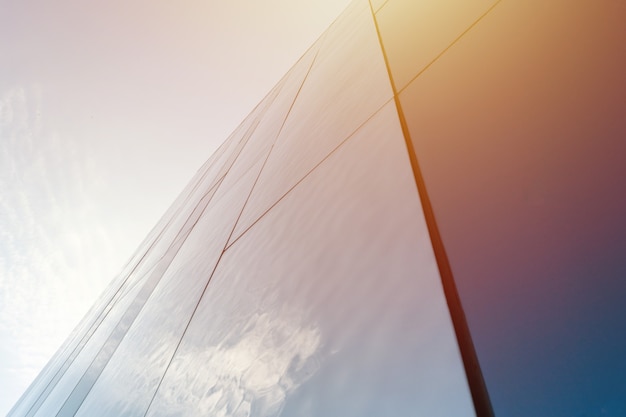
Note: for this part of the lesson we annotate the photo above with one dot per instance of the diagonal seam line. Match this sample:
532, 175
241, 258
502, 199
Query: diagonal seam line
275, 91
295, 98
78, 406
335, 149
213, 187
206, 286
139, 310
275, 139
95, 325
218, 181
269, 153
473, 373
312, 169
245, 137
193, 313
123, 288
182, 336
114, 297
458, 38
271, 149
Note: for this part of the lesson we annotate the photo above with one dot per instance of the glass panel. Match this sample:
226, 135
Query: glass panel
245, 130
271, 121
330, 305
129, 315
211, 170
520, 133
55, 371
65, 380
91, 360
59, 363
208, 173
206, 179
415, 32
126, 385
56, 366
347, 84
46, 379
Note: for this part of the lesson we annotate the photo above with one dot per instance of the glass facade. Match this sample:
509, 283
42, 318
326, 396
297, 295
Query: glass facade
425, 217
515, 116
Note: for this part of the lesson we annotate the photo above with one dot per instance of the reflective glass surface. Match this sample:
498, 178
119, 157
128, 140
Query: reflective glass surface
73, 358
520, 133
272, 120
347, 84
205, 180
330, 305
416, 32
80, 360
57, 365
127, 383
93, 371
62, 359
46, 379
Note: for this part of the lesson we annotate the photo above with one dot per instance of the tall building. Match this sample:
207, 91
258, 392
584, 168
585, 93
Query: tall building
425, 217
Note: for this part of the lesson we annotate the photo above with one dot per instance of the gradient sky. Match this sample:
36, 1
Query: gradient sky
106, 111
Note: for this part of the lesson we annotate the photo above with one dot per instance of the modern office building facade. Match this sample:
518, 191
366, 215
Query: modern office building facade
425, 217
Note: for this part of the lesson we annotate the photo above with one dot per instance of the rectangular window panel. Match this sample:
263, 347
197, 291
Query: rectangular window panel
330, 305
270, 121
125, 373
347, 84
206, 180
79, 361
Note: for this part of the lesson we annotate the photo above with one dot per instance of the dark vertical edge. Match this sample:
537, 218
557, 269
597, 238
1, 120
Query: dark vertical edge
478, 388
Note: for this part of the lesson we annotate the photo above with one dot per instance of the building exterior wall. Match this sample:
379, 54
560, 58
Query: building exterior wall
424, 217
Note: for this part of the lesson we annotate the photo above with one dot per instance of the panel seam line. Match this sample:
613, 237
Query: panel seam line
475, 380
